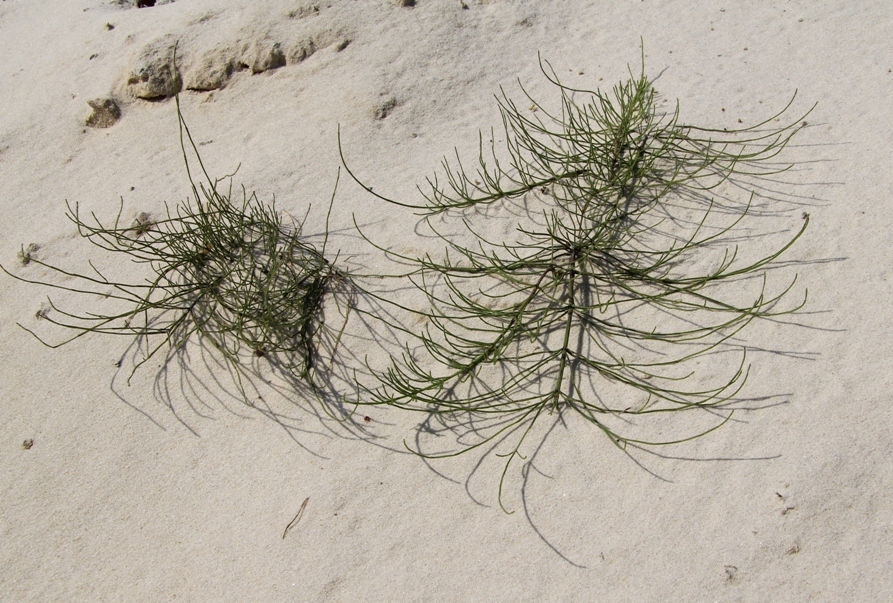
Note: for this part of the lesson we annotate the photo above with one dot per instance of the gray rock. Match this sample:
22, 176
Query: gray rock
301, 50
385, 107
211, 71
154, 75
105, 114
263, 55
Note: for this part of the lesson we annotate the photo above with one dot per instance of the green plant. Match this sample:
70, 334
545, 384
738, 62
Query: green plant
230, 275
622, 293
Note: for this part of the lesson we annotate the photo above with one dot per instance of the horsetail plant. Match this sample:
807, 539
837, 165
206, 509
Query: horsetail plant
231, 275
622, 293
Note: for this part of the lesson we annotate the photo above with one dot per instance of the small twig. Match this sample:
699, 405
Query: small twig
297, 517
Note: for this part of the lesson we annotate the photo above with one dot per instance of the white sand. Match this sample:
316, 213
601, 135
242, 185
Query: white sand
123, 498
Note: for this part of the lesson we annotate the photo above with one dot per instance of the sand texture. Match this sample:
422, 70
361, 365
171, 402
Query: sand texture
171, 487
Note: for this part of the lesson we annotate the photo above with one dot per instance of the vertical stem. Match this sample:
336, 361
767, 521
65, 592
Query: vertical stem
568, 327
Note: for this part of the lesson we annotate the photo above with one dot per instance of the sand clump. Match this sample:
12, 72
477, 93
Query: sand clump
104, 113
204, 56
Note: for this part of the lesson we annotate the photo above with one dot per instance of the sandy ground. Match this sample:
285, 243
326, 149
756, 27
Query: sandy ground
130, 495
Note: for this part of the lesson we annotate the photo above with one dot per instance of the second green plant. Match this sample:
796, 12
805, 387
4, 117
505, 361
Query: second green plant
621, 290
